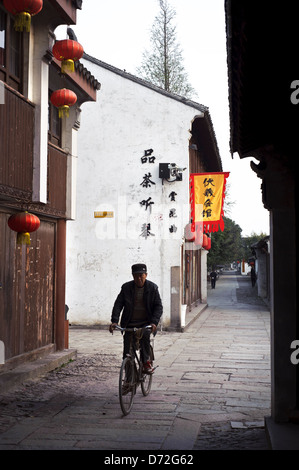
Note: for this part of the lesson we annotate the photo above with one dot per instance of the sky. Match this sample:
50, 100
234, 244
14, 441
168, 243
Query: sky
117, 32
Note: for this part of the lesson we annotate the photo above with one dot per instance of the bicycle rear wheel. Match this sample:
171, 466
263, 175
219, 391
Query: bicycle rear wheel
146, 382
127, 385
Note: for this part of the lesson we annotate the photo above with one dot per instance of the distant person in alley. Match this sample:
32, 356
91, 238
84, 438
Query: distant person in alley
213, 277
140, 303
253, 276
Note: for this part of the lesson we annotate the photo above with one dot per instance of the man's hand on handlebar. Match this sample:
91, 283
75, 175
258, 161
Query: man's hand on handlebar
112, 327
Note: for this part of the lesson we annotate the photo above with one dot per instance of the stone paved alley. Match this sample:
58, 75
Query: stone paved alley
210, 391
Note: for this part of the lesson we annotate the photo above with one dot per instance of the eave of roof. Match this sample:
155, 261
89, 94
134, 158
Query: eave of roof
82, 78
262, 39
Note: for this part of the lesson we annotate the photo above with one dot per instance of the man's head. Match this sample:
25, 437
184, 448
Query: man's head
139, 273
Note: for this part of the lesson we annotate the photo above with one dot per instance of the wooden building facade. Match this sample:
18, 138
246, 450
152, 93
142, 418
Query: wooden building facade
38, 153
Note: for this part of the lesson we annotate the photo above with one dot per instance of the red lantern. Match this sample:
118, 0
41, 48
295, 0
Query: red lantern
209, 243
24, 223
205, 241
189, 236
23, 10
63, 99
198, 234
67, 51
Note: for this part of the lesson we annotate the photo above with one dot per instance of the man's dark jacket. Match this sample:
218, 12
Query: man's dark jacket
125, 302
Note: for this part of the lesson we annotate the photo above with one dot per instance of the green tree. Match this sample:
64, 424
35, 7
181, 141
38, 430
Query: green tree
229, 246
163, 64
226, 246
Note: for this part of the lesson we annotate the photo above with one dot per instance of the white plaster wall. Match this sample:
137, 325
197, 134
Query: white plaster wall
127, 119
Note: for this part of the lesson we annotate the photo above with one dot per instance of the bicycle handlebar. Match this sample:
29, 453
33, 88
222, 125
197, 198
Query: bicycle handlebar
117, 327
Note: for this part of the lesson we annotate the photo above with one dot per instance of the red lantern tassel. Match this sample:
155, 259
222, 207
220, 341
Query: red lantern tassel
23, 238
64, 111
23, 20
67, 66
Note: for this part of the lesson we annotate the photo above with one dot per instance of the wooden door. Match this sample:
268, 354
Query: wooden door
27, 275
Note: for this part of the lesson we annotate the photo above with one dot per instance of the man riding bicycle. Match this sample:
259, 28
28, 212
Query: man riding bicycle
140, 303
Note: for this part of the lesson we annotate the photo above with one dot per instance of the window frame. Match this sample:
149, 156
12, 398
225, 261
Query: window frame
53, 117
7, 75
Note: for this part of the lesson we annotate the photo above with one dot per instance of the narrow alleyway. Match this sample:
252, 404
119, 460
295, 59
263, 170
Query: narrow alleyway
210, 391
244, 321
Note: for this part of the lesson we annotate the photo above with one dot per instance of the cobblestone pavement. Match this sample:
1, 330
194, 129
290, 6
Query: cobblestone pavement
223, 436
211, 390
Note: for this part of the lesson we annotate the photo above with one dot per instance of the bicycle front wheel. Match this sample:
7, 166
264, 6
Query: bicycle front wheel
127, 385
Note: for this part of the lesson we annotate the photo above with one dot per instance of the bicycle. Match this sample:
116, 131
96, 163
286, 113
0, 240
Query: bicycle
131, 371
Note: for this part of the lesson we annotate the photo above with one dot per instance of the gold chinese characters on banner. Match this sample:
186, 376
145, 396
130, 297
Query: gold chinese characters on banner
207, 192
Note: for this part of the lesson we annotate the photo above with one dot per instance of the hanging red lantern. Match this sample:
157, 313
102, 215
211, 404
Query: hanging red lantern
209, 243
189, 235
63, 99
24, 223
22, 11
205, 241
198, 234
67, 51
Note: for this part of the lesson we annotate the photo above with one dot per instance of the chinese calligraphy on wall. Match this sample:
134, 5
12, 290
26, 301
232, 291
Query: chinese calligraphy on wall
146, 183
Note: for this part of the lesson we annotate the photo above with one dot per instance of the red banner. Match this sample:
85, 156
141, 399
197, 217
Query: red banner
207, 193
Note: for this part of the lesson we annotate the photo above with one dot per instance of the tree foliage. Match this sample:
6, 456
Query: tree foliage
229, 246
249, 241
226, 246
163, 64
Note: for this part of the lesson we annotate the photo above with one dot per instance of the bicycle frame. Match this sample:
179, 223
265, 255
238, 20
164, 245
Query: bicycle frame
133, 350
131, 373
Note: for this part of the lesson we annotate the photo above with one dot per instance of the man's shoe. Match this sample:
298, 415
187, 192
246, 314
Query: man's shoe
148, 368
